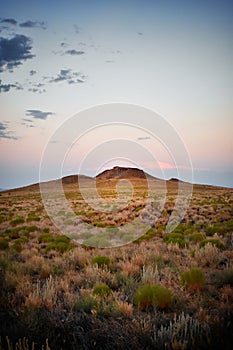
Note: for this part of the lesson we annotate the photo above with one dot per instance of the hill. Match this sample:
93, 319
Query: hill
123, 173
64, 283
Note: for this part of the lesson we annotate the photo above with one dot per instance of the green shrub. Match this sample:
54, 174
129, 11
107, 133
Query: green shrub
3, 244
100, 224
46, 230
22, 240
97, 241
59, 246
45, 238
153, 295
193, 279
148, 235
85, 235
102, 290
17, 246
175, 238
17, 221
33, 217
197, 237
62, 238
86, 304
101, 260
14, 234
213, 241
210, 230
29, 229
220, 228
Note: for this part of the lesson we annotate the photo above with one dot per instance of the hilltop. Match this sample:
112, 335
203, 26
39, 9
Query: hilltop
123, 173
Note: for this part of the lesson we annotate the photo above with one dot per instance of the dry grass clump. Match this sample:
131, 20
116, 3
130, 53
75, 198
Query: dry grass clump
23, 344
209, 256
78, 257
183, 333
43, 293
150, 274
128, 268
125, 308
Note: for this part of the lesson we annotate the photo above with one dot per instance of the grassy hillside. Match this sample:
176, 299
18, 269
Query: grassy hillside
161, 291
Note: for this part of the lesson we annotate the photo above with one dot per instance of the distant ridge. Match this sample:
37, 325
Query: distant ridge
107, 177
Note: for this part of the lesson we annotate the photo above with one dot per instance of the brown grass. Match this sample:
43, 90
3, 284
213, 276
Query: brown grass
47, 285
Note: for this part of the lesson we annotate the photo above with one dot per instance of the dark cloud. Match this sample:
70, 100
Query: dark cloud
5, 133
74, 52
33, 24
13, 51
36, 90
139, 33
7, 87
38, 114
9, 20
63, 44
32, 72
67, 75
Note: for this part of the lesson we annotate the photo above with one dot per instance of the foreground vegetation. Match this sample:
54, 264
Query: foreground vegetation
162, 291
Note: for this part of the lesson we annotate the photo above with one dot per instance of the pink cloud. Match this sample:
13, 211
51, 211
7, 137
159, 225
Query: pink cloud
169, 166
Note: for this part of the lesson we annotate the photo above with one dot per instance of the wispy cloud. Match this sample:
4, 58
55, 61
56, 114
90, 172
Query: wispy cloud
28, 123
77, 29
142, 138
37, 88
5, 133
67, 75
74, 52
38, 114
33, 24
13, 51
169, 166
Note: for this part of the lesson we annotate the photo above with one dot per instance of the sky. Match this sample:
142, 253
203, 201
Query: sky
61, 58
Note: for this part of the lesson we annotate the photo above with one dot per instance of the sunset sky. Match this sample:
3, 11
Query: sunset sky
58, 58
